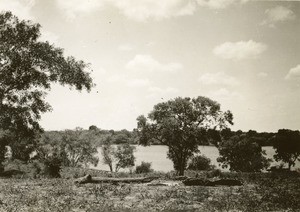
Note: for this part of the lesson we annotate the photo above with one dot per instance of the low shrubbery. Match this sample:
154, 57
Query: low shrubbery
200, 162
143, 168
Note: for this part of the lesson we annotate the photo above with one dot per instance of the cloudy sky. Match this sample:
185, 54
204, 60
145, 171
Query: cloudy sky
244, 54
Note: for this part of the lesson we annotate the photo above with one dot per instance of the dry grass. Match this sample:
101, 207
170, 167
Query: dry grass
62, 195
260, 192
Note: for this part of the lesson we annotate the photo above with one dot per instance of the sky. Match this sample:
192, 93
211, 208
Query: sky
244, 54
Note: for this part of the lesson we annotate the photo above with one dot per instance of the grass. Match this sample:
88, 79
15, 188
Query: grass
260, 192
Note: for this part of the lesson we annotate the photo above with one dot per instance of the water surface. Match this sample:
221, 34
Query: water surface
157, 155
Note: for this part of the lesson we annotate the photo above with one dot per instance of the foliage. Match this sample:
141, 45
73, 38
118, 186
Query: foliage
28, 69
52, 165
242, 153
79, 148
93, 127
143, 168
124, 156
199, 162
181, 124
73, 148
287, 146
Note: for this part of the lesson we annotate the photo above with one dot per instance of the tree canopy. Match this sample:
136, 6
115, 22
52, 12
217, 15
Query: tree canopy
242, 153
28, 67
287, 146
74, 148
181, 124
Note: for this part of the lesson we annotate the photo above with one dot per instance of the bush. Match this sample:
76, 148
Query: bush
199, 162
143, 168
52, 166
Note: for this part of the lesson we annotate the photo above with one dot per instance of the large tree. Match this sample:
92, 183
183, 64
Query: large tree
181, 124
287, 146
28, 67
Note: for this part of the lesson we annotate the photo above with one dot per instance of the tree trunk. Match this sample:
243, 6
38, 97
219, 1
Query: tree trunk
110, 167
290, 165
181, 171
89, 179
181, 165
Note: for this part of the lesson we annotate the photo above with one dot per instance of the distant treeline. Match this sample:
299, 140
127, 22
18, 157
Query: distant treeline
131, 137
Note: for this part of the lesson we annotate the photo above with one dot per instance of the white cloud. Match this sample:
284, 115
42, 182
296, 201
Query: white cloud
72, 8
168, 92
239, 50
219, 78
262, 74
20, 8
149, 64
218, 4
224, 94
141, 10
294, 73
278, 14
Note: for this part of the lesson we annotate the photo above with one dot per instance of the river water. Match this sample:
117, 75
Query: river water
157, 155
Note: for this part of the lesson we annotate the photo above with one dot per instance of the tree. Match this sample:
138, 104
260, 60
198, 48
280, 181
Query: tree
108, 152
80, 147
93, 127
181, 124
28, 67
124, 156
121, 156
242, 153
72, 148
287, 146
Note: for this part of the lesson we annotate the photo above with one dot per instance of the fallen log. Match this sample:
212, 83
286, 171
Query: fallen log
90, 179
197, 182
205, 182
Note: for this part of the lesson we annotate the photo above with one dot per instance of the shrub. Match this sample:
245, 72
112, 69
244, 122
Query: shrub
199, 162
143, 168
52, 166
